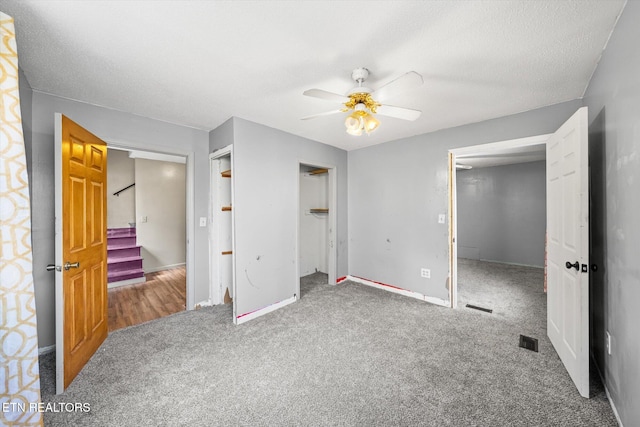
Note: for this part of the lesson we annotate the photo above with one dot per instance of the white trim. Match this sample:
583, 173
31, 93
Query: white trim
205, 303
606, 390
137, 154
46, 350
396, 290
191, 232
508, 263
613, 405
261, 312
164, 267
59, 304
126, 282
501, 145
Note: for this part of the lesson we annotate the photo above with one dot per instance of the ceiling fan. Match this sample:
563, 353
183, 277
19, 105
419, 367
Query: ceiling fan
364, 102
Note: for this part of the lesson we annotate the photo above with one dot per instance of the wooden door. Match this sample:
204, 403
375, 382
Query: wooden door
81, 248
568, 247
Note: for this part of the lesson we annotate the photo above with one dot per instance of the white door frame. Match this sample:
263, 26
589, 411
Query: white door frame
332, 259
190, 201
482, 149
216, 293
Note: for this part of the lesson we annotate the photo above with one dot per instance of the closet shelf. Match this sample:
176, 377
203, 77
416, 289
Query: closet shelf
319, 210
227, 252
318, 171
226, 208
226, 174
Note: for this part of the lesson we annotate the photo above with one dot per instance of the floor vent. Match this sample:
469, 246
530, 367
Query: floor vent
475, 307
529, 343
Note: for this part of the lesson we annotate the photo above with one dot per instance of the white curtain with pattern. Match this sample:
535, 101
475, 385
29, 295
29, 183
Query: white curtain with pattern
19, 372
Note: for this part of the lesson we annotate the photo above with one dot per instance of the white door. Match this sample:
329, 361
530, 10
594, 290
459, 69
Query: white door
568, 247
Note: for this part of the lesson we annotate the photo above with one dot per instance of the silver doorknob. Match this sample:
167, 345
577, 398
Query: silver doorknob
52, 267
69, 265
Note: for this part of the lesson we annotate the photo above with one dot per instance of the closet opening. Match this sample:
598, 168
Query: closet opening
222, 278
316, 227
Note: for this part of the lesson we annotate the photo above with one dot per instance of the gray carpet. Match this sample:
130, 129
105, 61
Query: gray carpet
343, 355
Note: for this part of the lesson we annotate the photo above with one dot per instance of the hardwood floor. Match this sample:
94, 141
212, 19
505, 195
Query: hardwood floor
162, 294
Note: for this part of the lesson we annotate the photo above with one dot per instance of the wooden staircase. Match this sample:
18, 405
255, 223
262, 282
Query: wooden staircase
124, 263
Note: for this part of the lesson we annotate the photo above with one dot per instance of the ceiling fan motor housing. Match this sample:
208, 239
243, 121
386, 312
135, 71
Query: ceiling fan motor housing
360, 74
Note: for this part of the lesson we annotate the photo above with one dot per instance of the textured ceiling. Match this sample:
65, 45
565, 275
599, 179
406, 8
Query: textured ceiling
197, 63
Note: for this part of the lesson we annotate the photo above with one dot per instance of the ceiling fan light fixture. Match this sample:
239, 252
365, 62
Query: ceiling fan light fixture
353, 122
370, 123
355, 132
360, 120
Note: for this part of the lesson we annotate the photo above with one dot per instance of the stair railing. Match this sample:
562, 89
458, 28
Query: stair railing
117, 193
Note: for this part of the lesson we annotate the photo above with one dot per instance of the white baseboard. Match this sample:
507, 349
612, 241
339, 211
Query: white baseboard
126, 282
262, 311
613, 406
606, 390
46, 350
397, 290
163, 268
511, 263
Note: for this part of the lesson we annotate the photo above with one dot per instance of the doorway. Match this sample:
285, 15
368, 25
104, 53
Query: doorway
146, 236
463, 159
316, 260
501, 227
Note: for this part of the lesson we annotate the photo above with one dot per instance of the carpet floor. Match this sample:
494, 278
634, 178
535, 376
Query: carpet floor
347, 355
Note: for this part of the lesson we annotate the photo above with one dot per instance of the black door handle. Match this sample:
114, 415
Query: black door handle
576, 265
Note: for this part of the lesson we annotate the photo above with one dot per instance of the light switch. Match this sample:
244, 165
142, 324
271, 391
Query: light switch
203, 221
441, 218
143, 219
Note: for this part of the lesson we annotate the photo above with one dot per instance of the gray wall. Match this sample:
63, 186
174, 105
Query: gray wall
502, 213
221, 136
613, 98
266, 172
160, 196
121, 209
397, 190
112, 126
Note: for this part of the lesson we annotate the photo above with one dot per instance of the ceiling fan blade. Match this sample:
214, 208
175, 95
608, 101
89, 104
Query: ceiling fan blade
398, 112
399, 85
328, 113
323, 94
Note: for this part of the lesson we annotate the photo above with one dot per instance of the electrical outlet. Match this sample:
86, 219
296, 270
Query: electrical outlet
607, 341
441, 218
425, 272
